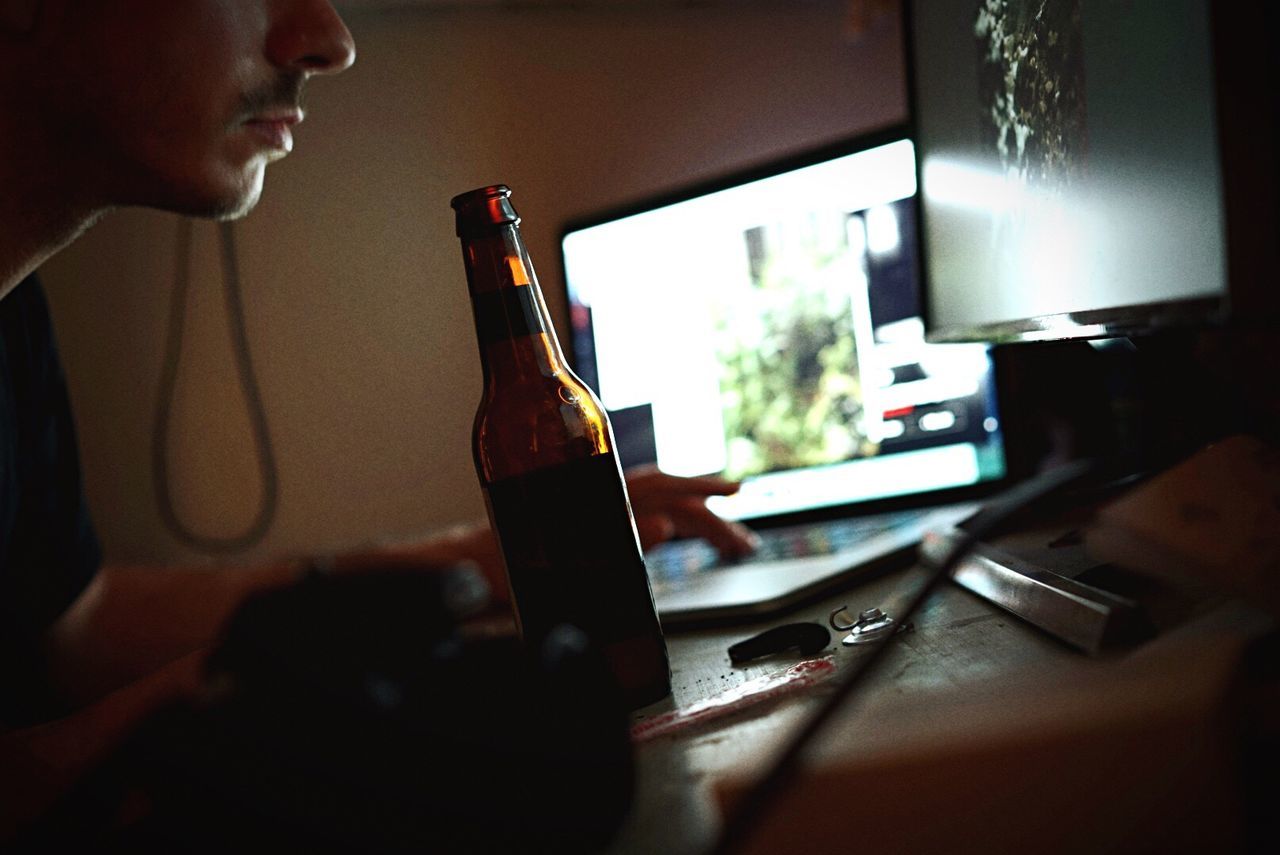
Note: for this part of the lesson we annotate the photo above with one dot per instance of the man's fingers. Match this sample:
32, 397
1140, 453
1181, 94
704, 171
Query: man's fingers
652, 482
669, 506
730, 538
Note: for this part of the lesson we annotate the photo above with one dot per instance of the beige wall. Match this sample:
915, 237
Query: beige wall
357, 308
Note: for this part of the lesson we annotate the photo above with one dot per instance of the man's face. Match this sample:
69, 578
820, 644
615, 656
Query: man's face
181, 104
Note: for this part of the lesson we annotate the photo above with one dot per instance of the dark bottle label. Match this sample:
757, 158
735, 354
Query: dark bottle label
572, 557
507, 313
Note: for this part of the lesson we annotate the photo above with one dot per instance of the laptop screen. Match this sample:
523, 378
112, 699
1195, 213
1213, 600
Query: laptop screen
769, 328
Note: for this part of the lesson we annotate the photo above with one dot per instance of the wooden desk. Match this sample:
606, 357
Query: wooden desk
943, 696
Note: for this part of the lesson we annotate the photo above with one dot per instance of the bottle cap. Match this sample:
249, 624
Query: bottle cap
483, 210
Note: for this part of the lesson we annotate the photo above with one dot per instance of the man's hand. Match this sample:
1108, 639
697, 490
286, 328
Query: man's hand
669, 506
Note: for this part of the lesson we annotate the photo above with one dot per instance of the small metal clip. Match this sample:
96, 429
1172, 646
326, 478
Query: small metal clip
871, 625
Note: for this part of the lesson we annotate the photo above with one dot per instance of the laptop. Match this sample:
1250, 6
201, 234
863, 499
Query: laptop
767, 326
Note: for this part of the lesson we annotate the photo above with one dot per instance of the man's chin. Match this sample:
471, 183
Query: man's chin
237, 203
227, 199
233, 209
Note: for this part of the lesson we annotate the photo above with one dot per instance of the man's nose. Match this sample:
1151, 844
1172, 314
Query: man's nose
309, 36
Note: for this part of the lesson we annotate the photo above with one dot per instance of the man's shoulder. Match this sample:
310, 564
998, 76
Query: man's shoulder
27, 344
25, 300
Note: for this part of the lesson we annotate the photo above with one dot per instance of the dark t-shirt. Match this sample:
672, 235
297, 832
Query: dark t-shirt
48, 550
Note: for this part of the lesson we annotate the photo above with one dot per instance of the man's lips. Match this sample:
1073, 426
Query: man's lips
274, 128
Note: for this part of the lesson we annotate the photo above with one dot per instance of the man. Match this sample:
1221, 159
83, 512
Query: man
179, 106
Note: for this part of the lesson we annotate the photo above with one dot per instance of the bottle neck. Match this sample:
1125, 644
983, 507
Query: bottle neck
513, 326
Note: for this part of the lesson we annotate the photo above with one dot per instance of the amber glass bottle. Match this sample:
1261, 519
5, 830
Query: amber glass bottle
544, 454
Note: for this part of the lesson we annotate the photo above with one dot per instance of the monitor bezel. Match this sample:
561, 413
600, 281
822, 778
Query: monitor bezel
786, 163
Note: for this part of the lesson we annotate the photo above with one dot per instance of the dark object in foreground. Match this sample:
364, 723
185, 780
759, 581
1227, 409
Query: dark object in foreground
808, 638
350, 715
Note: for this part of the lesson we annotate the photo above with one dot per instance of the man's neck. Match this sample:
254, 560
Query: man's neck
37, 217
45, 203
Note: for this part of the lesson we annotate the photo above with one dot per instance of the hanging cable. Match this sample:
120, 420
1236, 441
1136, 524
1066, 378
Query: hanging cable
265, 515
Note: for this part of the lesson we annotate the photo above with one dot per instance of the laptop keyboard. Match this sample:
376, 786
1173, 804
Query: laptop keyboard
680, 559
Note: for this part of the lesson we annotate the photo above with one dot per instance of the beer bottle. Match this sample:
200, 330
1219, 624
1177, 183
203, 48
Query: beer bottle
544, 454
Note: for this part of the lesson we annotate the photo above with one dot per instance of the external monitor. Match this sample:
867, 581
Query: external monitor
1082, 169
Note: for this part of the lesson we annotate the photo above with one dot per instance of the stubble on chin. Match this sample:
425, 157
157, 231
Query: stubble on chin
237, 207
221, 198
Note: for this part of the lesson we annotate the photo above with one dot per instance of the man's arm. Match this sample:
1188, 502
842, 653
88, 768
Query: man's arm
133, 620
